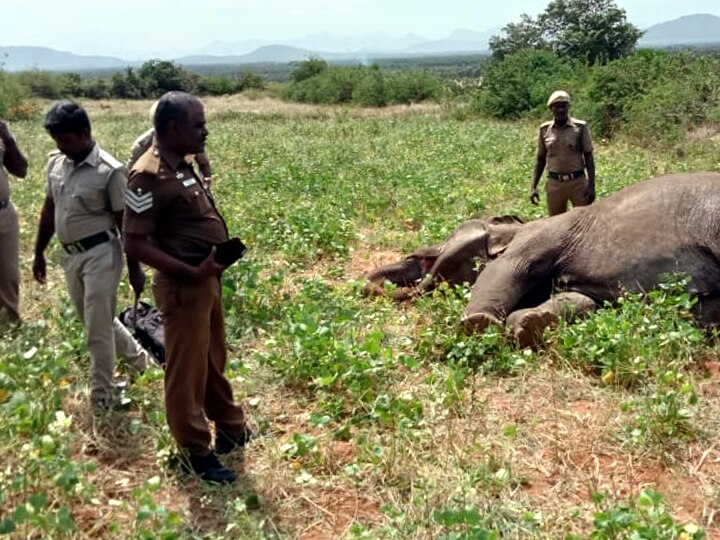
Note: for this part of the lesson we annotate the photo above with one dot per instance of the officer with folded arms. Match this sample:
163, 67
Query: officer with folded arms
84, 203
565, 146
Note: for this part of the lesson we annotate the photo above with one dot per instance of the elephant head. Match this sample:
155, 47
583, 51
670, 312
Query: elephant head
457, 260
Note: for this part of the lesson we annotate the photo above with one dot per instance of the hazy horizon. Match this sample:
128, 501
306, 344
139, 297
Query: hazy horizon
141, 28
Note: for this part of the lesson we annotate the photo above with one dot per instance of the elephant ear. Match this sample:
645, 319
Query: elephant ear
500, 236
505, 220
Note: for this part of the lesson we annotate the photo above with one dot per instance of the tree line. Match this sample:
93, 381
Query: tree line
586, 47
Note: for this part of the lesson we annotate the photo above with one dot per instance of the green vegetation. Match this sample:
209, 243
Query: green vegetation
378, 420
587, 31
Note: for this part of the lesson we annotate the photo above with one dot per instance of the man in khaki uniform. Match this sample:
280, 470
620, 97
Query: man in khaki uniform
143, 143
172, 224
12, 160
84, 201
565, 145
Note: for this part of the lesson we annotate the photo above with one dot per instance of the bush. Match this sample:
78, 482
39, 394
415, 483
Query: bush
412, 86
41, 84
12, 95
222, 85
364, 85
519, 84
615, 87
308, 68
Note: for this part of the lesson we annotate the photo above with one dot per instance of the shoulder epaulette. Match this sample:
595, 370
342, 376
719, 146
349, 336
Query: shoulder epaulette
109, 159
148, 163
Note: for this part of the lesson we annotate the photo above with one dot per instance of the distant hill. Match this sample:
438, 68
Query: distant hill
27, 58
269, 53
689, 30
699, 29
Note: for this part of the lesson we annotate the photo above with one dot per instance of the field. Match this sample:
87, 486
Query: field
377, 420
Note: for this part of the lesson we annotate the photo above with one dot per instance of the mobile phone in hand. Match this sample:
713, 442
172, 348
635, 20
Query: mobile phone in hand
226, 253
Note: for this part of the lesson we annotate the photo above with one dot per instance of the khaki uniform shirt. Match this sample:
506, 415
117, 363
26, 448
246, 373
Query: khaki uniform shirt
167, 202
86, 194
563, 146
143, 143
4, 183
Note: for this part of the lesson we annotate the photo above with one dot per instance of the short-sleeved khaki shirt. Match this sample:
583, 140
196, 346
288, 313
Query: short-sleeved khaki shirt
563, 146
143, 143
4, 183
85, 194
166, 201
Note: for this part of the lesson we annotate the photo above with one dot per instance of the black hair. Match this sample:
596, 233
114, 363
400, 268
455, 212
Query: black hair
172, 106
67, 117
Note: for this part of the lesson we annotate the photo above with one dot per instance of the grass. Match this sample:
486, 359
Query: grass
378, 420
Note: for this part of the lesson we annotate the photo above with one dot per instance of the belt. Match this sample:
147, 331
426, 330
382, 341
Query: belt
567, 176
84, 244
3, 204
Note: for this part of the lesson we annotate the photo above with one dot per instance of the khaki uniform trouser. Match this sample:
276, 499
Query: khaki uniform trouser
92, 280
9, 270
559, 193
196, 389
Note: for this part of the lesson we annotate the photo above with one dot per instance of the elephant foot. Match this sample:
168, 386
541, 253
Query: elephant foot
529, 328
404, 294
478, 322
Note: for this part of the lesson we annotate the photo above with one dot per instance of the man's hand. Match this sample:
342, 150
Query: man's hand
209, 267
136, 276
5, 134
590, 194
39, 268
534, 196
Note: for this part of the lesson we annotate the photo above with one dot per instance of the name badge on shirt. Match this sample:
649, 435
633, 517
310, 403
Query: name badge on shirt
189, 182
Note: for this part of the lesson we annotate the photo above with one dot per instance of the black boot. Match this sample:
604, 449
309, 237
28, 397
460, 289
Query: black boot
209, 469
226, 443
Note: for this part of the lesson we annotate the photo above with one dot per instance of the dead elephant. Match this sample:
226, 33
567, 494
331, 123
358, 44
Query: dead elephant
589, 255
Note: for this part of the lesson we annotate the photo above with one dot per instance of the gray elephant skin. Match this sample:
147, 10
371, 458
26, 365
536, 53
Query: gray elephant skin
587, 256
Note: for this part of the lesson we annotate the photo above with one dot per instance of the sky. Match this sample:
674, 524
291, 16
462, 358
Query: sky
134, 28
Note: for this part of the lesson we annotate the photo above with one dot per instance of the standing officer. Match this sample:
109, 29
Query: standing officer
171, 223
12, 159
143, 143
564, 143
84, 202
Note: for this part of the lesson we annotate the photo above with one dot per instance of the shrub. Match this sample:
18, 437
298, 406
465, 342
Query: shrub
615, 87
412, 86
12, 95
41, 84
519, 84
308, 68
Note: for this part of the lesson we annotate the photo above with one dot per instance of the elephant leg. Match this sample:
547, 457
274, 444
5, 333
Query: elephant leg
476, 323
707, 311
404, 274
527, 325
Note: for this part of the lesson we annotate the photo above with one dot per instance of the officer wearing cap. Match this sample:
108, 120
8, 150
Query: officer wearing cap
143, 143
565, 146
12, 160
85, 192
172, 224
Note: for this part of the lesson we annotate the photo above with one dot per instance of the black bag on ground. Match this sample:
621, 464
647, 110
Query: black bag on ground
146, 323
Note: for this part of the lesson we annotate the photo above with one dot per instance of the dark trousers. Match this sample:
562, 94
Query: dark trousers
196, 389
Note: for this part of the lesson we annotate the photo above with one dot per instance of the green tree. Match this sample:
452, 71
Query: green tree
160, 76
126, 85
519, 84
70, 84
308, 68
590, 31
527, 34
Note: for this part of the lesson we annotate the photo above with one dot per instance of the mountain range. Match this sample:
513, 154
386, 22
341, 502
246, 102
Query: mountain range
689, 30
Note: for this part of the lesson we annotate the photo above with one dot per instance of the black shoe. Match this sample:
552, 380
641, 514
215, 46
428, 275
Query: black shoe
209, 468
226, 443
